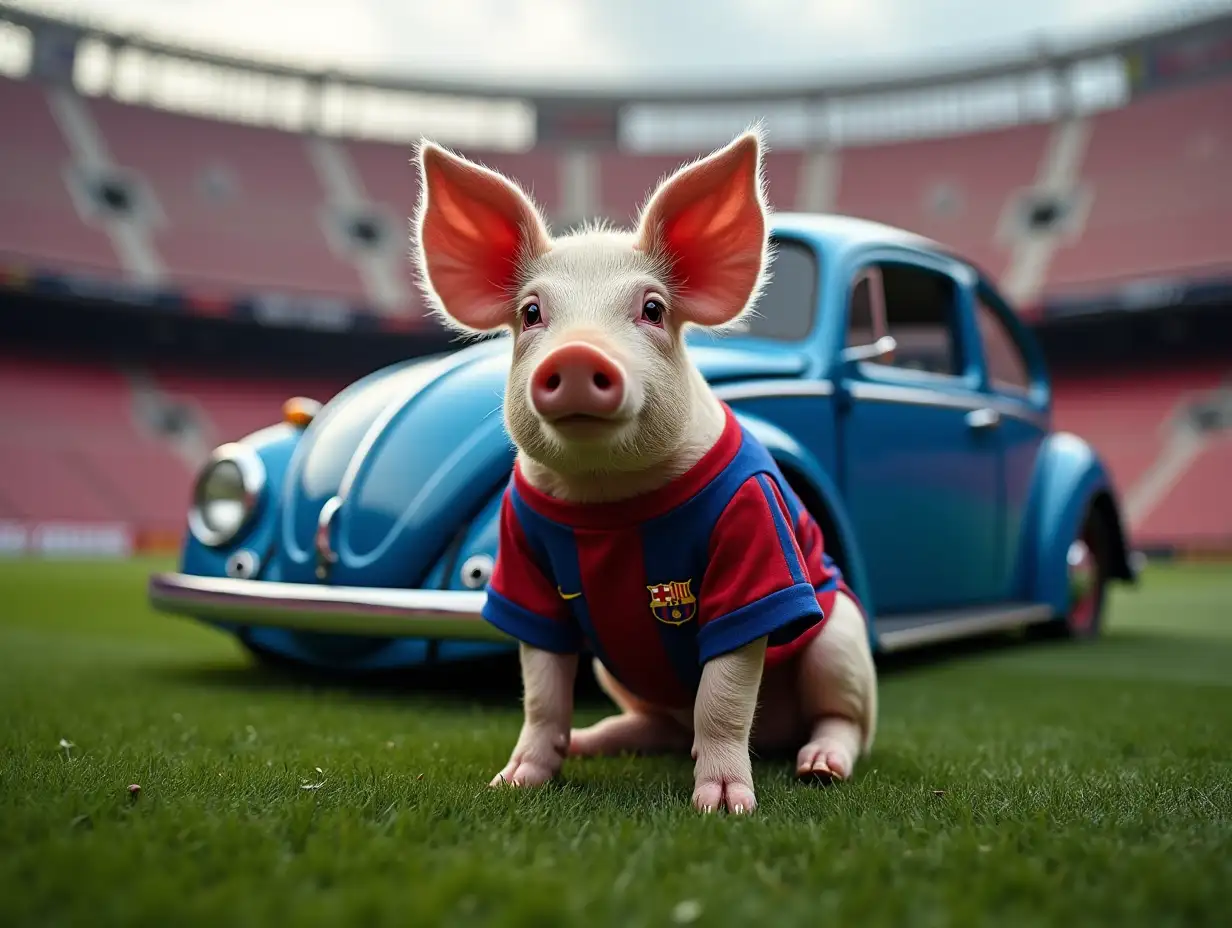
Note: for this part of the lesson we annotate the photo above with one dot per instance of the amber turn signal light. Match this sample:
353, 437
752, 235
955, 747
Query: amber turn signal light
299, 411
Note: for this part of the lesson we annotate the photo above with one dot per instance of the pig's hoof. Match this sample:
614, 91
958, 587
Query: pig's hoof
824, 760
523, 773
730, 795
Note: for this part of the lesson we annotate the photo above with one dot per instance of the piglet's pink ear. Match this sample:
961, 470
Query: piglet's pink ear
708, 224
475, 232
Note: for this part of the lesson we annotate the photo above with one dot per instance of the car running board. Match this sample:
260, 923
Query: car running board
903, 632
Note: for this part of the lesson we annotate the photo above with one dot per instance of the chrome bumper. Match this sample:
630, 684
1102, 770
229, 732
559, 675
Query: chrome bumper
374, 611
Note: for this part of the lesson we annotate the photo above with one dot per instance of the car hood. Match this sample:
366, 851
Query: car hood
403, 459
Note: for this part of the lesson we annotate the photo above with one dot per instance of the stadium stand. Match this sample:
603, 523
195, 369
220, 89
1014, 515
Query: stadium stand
233, 407
1126, 417
1196, 512
1164, 434
81, 442
241, 205
74, 449
951, 189
625, 179
248, 209
254, 222
43, 483
387, 175
39, 223
1160, 175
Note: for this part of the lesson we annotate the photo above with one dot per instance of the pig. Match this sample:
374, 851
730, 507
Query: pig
621, 445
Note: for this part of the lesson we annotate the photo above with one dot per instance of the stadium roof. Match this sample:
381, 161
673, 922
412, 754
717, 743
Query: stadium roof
1176, 21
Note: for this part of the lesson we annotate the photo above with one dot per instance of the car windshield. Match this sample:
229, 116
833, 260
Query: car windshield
788, 303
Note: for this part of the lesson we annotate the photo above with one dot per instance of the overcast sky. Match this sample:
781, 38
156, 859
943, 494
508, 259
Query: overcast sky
639, 42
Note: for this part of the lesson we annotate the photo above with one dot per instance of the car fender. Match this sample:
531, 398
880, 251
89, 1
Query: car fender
808, 477
275, 446
1069, 479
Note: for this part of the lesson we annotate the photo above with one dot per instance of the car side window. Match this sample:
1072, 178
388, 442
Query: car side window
921, 315
787, 305
1007, 367
860, 329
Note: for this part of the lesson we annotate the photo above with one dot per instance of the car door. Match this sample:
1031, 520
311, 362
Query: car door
921, 461
1017, 378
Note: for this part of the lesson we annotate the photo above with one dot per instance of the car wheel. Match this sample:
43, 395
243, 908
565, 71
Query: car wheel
1087, 576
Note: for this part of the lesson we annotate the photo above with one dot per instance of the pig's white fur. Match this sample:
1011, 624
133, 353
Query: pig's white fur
547, 708
591, 280
589, 285
722, 720
827, 697
838, 677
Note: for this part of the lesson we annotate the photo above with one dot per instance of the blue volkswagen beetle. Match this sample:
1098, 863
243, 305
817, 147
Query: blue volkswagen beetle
899, 393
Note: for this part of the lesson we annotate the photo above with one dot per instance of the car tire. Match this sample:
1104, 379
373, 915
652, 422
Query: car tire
1087, 562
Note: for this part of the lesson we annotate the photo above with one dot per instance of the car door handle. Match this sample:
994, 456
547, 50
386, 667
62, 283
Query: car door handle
985, 418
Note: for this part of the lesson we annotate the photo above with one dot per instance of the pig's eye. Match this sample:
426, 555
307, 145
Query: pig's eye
652, 312
531, 316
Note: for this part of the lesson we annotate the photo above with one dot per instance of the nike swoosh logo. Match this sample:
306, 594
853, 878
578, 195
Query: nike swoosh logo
564, 595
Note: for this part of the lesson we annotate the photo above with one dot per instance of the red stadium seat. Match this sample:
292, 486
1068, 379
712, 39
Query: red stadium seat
39, 225
1197, 510
41, 482
1161, 174
626, 180
237, 406
264, 234
1124, 417
74, 447
952, 190
62, 426
242, 205
242, 213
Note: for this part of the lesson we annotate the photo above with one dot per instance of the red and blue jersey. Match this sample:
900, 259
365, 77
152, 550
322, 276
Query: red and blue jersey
657, 585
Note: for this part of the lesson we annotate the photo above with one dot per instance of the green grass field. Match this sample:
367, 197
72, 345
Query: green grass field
1012, 784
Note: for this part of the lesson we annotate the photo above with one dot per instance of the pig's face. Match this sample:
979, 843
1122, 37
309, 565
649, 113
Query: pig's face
600, 380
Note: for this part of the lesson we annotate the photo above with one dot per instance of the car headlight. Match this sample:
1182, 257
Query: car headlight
226, 494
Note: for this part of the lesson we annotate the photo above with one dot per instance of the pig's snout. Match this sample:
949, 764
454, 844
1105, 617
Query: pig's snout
577, 380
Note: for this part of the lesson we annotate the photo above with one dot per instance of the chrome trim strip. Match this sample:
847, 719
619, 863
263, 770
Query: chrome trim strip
983, 418
381, 612
326, 555
767, 388
878, 392
457, 614
1030, 416
962, 623
919, 396
868, 354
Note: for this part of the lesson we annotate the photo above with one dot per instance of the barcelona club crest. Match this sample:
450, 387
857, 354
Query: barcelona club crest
673, 603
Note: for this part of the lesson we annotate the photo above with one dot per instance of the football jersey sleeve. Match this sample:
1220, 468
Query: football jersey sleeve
756, 582
522, 600
822, 570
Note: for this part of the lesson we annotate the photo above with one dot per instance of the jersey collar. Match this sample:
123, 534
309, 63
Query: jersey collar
650, 505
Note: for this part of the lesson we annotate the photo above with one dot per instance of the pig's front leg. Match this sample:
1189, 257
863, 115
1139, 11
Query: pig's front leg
722, 720
547, 682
